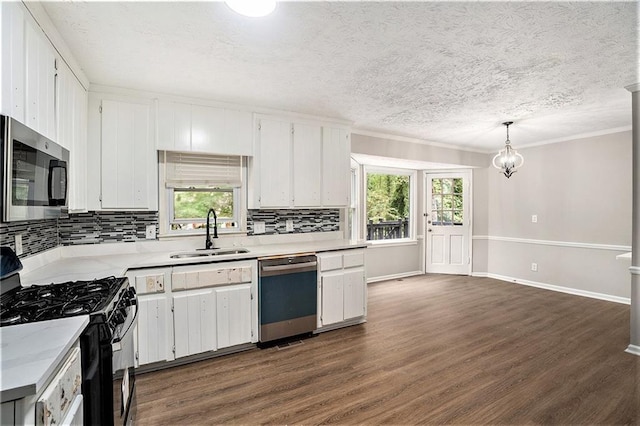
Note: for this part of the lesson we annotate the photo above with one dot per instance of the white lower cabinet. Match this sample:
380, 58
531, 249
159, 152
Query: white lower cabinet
194, 322
233, 315
190, 310
332, 305
355, 293
152, 333
342, 287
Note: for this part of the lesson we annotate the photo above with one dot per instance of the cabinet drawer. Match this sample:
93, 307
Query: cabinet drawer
353, 258
210, 277
330, 262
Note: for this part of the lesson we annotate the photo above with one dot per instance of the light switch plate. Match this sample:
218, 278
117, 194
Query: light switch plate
289, 225
18, 241
151, 232
534, 218
258, 228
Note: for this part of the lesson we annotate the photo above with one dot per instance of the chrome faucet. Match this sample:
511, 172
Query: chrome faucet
208, 243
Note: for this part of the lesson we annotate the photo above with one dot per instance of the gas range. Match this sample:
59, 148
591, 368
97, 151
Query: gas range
104, 297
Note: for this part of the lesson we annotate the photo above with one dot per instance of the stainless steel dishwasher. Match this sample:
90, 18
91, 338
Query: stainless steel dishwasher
288, 296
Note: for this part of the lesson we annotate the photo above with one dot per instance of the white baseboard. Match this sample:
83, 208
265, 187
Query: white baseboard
393, 276
633, 349
561, 289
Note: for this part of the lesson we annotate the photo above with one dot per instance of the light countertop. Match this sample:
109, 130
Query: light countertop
32, 352
89, 262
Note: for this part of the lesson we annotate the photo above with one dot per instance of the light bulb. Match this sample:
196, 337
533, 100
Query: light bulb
252, 8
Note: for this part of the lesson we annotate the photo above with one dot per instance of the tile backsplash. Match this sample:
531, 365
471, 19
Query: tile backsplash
304, 220
105, 227
112, 227
37, 235
80, 228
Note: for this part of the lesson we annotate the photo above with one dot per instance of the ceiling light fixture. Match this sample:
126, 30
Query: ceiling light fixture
508, 160
252, 8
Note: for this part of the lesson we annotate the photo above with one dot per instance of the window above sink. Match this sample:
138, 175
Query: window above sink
192, 183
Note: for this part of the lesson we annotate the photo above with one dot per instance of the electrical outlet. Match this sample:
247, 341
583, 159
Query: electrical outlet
151, 284
151, 232
159, 282
259, 228
289, 225
18, 241
534, 267
534, 218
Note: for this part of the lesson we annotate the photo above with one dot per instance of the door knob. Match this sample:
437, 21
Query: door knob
429, 229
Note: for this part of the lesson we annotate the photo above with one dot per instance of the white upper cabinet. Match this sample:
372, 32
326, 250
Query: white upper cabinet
336, 167
40, 82
307, 155
274, 154
28, 71
198, 128
299, 164
128, 158
13, 58
71, 107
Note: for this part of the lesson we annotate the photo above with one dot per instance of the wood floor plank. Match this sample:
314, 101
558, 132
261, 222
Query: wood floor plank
437, 349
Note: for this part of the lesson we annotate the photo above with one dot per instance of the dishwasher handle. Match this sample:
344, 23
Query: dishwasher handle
290, 267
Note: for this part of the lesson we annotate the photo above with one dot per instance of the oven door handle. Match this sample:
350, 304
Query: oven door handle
289, 267
115, 343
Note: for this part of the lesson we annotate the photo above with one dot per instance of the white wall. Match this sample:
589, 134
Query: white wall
580, 191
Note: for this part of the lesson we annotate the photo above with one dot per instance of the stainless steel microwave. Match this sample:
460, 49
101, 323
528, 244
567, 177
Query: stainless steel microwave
34, 174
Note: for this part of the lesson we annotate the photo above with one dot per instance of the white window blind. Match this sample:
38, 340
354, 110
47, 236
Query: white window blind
185, 170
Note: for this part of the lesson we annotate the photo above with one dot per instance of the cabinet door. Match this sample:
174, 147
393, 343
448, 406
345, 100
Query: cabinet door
128, 157
238, 132
332, 298
153, 319
275, 163
13, 60
354, 293
336, 168
233, 315
174, 126
40, 81
207, 129
72, 133
78, 162
307, 155
194, 322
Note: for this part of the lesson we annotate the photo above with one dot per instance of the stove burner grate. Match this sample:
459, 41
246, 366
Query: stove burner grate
52, 301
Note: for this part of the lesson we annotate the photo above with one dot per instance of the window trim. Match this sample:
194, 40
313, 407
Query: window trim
165, 210
413, 211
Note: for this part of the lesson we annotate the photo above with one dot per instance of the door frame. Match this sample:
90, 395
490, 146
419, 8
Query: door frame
468, 175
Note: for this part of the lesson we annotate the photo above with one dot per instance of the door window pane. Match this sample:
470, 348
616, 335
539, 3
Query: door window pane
447, 203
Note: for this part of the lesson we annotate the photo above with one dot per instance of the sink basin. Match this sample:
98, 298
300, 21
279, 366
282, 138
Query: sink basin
208, 253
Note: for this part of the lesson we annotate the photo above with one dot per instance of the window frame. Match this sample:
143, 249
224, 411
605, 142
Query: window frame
413, 212
166, 209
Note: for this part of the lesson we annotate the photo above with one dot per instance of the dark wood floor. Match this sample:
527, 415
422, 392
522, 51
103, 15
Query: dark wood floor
436, 350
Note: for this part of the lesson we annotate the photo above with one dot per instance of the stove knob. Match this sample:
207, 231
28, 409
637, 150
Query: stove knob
131, 297
118, 318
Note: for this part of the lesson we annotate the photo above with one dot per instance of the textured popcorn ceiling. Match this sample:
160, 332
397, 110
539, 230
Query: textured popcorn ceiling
438, 71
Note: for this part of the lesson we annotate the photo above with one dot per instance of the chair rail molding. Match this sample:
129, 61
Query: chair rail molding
573, 244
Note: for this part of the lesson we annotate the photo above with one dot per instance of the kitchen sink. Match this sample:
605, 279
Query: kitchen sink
208, 253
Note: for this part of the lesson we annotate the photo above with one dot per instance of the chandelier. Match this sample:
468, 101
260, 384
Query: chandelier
508, 160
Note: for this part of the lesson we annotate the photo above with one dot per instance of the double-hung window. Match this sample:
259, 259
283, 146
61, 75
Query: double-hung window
193, 184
